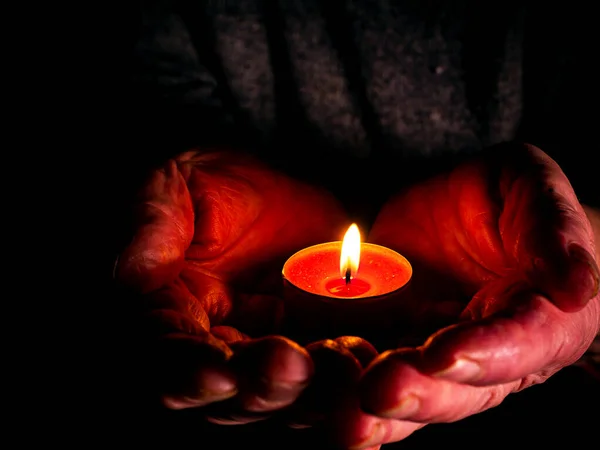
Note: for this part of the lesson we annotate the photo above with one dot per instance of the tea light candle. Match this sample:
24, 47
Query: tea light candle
343, 286
347, 269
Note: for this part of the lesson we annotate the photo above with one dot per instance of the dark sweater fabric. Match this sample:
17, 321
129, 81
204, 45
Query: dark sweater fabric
379, 89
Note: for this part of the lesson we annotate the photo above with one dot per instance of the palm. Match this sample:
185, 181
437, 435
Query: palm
477, 236
222, 226
248, 220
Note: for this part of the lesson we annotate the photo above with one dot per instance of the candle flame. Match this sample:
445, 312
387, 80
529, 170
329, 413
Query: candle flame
350, 257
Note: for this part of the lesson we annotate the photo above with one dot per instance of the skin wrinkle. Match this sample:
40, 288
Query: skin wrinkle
532, 380
197, 267
593, 310
193, 305
564, 342
182, 322
458, 240
195, 308
495, 396
485, 300
569, 214
505, 191
241, 237
140, 261
218, 309
217, 198
462, 242
163, 209
469, 238
215, 303
233, 244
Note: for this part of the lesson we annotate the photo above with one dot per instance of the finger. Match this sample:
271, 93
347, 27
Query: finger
356, 429
171, 309
362, 350
393, 388
335, 371
192, 371
164, 227
349, 426
187, 365
502, 294
250, 407
546, 231
531, 336
272, 372
229, 335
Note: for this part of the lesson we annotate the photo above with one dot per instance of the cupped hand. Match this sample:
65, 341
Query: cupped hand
504, 263
212, 232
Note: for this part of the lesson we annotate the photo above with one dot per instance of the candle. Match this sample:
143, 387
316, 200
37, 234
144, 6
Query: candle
345, 284
347, 269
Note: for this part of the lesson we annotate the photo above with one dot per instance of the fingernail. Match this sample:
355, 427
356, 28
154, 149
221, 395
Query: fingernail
375, 438
273, 395
216, 381
461, 370
578, 253
407, 407
204, 398
283, 390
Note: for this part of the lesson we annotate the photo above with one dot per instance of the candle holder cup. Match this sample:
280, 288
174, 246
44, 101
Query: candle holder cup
309, 317
314, 311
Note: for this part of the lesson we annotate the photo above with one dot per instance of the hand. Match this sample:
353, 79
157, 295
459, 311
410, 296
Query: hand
504, 261
213, 230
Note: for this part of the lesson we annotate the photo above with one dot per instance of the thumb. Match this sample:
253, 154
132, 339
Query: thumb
163, 230
547, 231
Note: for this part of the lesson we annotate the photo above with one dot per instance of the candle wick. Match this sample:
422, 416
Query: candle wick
348, 275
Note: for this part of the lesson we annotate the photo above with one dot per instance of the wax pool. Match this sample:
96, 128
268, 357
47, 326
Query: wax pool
355, 288
316, 270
